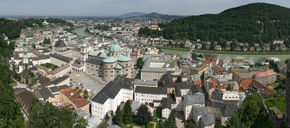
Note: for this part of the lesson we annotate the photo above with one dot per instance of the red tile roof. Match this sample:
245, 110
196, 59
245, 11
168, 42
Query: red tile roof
220, 69
197, 82
246, 81
267, 73
206, 61
75, 98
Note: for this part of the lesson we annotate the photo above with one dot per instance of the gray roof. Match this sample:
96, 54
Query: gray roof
166, 102
58, 80
59, 43
197, 98
217, 94
45, 93
113, 88
61, 57
151, 90
200, 111
95, 61
81, 113
215, 104
207, 120
229, 109
167, 80
145, 82
58, 88
25, 98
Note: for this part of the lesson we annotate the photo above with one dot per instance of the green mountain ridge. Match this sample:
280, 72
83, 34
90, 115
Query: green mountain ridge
257, 22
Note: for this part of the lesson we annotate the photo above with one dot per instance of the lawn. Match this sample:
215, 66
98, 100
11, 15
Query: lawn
13, 84
50, 66
278, 102
275, 85
223, 54
133, 125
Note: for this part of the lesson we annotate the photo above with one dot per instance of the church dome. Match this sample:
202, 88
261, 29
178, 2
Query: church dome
115, 48
110, 60
124, 58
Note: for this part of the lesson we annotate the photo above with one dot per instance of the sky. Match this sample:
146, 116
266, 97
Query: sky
119, 7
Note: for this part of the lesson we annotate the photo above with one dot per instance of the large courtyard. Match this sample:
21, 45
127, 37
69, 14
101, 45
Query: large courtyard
91, 83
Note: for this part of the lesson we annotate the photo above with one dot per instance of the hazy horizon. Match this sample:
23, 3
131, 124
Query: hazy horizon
119, 7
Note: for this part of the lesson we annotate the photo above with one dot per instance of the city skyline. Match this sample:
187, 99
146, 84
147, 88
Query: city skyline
119, 7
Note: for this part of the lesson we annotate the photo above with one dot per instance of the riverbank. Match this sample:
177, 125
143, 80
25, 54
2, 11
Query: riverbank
226, 52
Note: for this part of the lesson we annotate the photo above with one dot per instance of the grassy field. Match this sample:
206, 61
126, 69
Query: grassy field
227, 52
13, 84
50, 66
277, 102
133, 125
255, 55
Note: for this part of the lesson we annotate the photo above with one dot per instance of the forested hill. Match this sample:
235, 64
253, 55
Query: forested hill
257, 22
12, 28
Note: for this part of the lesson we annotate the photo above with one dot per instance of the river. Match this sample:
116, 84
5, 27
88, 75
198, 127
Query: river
81, 31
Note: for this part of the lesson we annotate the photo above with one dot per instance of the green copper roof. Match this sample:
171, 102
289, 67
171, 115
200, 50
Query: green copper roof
103, 55
110, 60
25, 56
93, 53
84, 41
115, 48
118, 66
124, 58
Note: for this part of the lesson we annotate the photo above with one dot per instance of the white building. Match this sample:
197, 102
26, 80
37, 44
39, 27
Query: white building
231, 96
149, 94
111, 96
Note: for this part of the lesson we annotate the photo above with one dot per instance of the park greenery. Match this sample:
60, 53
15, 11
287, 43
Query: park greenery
46, 41
102, 27
50, 66
253, 23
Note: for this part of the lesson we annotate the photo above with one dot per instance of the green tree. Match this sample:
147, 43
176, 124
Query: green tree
251, 114
191, 124
140, 63
118, 118
127, 113
143, 115
48, 116
46, 41
86, 94
171, 119
194, 56
10, 112
81, 123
